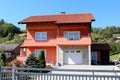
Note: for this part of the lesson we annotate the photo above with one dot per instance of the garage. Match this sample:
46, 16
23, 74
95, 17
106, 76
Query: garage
72, 57
100, 54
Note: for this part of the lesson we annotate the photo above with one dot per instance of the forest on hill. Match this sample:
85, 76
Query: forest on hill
10, 33
110, 35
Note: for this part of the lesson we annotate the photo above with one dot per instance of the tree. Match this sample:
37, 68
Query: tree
41, 60
10, 36
96, 30
3, 57
2, 22
32, 61
7, 28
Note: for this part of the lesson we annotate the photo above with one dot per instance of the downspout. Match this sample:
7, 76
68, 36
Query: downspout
57, 47
89, 54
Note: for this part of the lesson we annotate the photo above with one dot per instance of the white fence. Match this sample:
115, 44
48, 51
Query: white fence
15, 73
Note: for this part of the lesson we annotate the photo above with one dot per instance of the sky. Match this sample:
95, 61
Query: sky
106, 12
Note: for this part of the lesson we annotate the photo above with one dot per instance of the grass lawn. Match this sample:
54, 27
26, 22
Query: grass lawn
116, 35
114, 57
119, 67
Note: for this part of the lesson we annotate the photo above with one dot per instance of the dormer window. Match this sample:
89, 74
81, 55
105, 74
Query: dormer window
72, 35
41, 36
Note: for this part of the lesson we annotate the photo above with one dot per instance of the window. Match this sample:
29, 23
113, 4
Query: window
72, 35
66, 51
37, 52
78, 51
72, 51
41, 35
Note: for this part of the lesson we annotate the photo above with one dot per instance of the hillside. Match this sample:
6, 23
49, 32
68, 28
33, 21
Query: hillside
110, 35
17, 38
9, 33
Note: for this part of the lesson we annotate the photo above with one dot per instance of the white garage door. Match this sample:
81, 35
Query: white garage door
72, 57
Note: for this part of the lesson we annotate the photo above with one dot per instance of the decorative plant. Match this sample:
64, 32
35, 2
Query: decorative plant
41, 59
32, 61
3, 57
17, 63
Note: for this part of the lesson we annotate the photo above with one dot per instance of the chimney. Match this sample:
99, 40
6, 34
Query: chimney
62, 12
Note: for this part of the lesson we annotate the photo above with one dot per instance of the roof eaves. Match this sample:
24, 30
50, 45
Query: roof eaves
72, 22
33, 22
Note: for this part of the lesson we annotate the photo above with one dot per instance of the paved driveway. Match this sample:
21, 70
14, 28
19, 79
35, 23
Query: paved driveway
86, 67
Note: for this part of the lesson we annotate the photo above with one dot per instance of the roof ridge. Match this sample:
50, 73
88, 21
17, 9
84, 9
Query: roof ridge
61, 14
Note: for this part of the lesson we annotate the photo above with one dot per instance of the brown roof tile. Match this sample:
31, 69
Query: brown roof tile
8, 47
60, 18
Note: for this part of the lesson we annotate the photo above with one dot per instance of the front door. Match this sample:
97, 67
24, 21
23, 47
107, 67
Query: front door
94, 58
72, 57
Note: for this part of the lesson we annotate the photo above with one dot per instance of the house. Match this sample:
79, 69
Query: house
117, 39
65, 38
100, 54
11, 50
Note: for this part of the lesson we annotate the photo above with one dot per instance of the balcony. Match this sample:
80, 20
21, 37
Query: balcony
85, 40
34, 43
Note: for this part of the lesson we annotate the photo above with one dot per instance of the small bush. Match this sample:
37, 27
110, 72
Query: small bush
48, 67
32, 62
17, 63
1, 62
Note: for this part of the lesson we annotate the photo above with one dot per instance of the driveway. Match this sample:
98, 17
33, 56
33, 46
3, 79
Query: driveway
88, 67
84, 70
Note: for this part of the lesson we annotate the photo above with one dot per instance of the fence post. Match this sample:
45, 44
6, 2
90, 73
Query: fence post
13, 73
93, 75
0, 73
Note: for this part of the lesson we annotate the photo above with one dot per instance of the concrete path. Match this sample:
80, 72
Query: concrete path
88, 67
81, 75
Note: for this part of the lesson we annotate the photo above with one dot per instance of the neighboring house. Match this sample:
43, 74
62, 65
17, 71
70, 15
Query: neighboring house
117, 39
11, 50
100, 54
65, 38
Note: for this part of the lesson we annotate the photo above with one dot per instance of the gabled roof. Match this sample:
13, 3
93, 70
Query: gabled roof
60, 18
100, 47
8, 47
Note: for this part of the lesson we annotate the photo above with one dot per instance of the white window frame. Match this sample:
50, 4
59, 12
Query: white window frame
73, 38
45, 53
40, 35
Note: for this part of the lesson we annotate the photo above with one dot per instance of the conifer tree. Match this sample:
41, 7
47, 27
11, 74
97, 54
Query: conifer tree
3, 57
41, 59
32, 61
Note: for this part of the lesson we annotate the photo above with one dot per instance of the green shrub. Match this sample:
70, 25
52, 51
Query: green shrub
3, 57
48, 67
41, 59
17, 63
1, 62
32, 61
